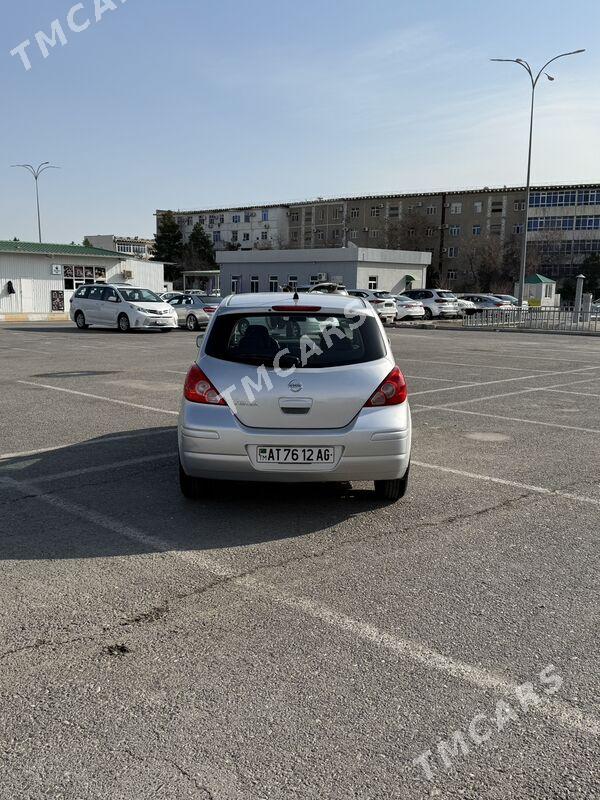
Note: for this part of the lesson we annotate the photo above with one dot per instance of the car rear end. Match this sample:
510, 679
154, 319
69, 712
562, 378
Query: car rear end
409, 309
384, 305
446, 303
295, 391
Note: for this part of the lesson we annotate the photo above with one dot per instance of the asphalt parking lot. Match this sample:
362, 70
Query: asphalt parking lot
277, 642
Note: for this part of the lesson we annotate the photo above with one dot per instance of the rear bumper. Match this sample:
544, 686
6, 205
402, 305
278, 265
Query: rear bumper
214, 444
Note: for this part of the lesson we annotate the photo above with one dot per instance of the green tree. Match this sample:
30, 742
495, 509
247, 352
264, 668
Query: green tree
168, 245
199, 252
86, 242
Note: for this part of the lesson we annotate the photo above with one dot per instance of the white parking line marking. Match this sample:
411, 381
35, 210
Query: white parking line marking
100, 397
423, 361
429, 378
450, 405
506, 380
76, 473
416, 652
27, 350
515, 484
508, 419
580, 394
95, 442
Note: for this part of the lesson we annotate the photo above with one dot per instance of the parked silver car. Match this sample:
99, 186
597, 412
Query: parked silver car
190, 311
483, 302
293, 391
120, 306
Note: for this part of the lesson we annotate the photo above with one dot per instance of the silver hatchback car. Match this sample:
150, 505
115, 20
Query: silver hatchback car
295, 388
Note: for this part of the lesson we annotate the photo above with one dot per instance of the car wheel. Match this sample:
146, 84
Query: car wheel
392, 490
123, 323
191, 323
428, 313
190, 487
80, 321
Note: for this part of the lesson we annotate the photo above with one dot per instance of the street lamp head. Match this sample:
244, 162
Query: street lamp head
550, 78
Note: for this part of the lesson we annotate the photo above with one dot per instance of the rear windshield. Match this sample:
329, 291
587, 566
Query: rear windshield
306, 341
382, 294
139, 296
447, 295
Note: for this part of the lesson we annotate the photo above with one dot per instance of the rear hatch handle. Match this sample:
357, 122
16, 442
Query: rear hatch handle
295, 405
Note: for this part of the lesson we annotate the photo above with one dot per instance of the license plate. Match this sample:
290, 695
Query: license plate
162, 321
295, 455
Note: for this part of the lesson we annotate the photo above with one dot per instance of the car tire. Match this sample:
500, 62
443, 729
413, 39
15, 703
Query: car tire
191, 488
80, 321
123, 323
191, 323
428, 313
391, 491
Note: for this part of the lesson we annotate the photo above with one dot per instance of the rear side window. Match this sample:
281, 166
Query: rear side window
301, 340
82, 292
95, 293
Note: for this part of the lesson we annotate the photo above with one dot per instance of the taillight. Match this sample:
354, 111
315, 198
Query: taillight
198, 389
390, 392
441, 300
210, 309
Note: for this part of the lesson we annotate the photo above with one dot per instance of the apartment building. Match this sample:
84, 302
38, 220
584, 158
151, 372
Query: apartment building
247, 228
454, 226
133, 246
563, 227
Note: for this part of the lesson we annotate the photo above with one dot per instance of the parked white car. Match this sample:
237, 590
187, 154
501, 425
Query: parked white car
383, 302
122, 307
407, 308
484, 302
168, 296
437, 302
466, 307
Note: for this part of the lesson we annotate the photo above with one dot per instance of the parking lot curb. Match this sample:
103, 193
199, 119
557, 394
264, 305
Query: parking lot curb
52, 317
511, 330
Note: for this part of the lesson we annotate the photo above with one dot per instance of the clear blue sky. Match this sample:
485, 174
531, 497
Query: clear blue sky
191, 104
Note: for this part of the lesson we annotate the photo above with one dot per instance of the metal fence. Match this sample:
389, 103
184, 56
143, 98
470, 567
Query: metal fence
547, 319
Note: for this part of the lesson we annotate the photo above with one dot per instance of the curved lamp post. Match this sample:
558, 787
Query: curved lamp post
36, 172
534, 80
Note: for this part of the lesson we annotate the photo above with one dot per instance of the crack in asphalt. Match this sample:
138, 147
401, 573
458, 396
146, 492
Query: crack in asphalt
155, 613
183, 772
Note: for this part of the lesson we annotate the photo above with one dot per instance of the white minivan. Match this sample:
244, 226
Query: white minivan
123, 307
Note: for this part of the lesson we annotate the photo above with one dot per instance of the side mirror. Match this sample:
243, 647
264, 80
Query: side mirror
200, 339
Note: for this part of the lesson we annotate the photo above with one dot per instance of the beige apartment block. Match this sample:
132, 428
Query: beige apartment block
454, 226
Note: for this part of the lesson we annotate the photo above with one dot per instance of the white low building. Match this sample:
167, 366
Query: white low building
37, 281
354, 267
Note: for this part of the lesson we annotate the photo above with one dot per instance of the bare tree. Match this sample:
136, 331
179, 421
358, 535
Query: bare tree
412, 232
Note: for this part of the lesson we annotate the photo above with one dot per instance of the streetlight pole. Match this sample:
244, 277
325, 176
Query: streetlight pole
534, 81
36, 172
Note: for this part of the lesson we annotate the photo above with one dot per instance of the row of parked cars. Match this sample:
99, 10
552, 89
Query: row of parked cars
128, 307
